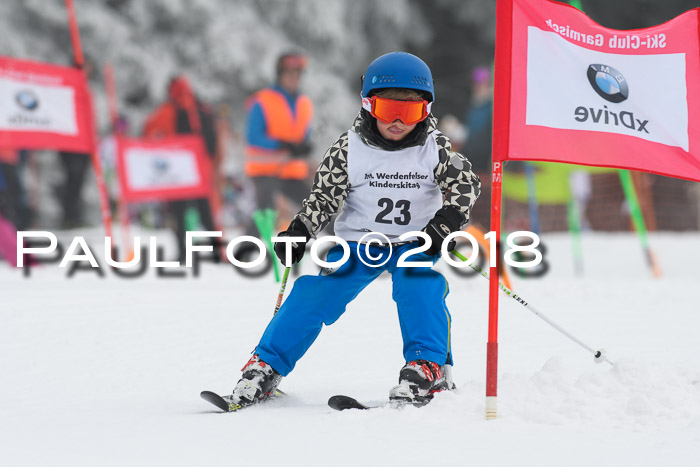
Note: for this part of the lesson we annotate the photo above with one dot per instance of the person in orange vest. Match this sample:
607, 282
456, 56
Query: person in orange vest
277, 135
183, 113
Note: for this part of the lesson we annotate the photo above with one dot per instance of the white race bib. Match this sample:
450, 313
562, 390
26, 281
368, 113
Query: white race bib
391, 192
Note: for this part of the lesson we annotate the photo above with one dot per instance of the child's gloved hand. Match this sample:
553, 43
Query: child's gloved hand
296, 229
445, 221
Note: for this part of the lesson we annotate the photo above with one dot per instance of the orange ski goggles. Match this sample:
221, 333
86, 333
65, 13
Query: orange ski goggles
389, 110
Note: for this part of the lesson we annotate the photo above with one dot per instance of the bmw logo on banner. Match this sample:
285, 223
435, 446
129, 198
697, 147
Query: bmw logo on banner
608, 83
160, 165
27, 100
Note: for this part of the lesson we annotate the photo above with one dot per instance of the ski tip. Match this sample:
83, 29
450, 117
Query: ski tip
217, 400
227, 404
206, 395
340, 402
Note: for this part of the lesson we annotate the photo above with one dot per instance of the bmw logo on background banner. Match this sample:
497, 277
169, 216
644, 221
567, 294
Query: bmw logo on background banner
27, 100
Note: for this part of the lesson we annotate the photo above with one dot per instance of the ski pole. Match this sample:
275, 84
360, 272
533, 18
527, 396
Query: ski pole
598, 355
282, 287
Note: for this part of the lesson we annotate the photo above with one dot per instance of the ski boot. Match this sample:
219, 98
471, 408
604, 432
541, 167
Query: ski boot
258, 383
418, 381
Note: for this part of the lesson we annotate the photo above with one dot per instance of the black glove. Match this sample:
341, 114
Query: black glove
296, 229
298, 150
445, 221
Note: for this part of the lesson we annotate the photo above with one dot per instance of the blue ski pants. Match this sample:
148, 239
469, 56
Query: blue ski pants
419, 293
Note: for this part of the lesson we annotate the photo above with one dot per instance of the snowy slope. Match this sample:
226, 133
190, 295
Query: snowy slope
107, 371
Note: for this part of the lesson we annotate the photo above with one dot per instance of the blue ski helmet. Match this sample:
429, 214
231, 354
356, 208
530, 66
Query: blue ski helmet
398, 70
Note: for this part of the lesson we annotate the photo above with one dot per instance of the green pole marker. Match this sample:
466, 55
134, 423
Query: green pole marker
635, 209
191, 219
574, 219
572, 212
572, 209
265, 222
638, 218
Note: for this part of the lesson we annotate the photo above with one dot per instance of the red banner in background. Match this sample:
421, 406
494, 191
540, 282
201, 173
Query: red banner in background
165, 169
579, 93
43, 106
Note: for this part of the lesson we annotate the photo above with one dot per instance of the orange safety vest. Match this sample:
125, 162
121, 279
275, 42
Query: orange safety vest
283, 125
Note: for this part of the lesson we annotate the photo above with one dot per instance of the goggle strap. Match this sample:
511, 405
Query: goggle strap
367, 104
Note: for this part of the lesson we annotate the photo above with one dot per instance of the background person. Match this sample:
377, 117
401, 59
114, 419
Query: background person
278, 123
479, 121
184, 113
479, 126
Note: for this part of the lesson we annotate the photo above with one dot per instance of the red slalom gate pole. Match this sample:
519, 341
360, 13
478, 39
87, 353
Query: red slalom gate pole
75, 36
122, 205
501, 138
92, 128
492, 343
112, 100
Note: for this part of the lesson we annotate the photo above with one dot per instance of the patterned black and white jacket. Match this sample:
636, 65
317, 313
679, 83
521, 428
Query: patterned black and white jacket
460, 186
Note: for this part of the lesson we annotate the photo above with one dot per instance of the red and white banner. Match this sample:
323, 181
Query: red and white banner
164, 169
43, 106
573, 91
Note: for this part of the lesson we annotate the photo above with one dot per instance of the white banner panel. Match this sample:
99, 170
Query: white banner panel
575, 88
32, 107
151, 169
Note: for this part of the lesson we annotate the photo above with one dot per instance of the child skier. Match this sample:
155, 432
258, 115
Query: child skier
394, 172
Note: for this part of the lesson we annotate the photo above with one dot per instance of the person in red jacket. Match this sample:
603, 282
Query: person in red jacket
183, 113
277, 135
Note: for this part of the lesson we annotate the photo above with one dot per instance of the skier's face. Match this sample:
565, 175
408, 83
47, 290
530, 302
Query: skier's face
394, 131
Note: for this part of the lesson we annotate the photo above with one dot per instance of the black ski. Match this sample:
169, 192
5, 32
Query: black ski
341, 402
226, 404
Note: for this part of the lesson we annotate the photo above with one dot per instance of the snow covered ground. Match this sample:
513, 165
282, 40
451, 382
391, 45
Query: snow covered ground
107, 372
